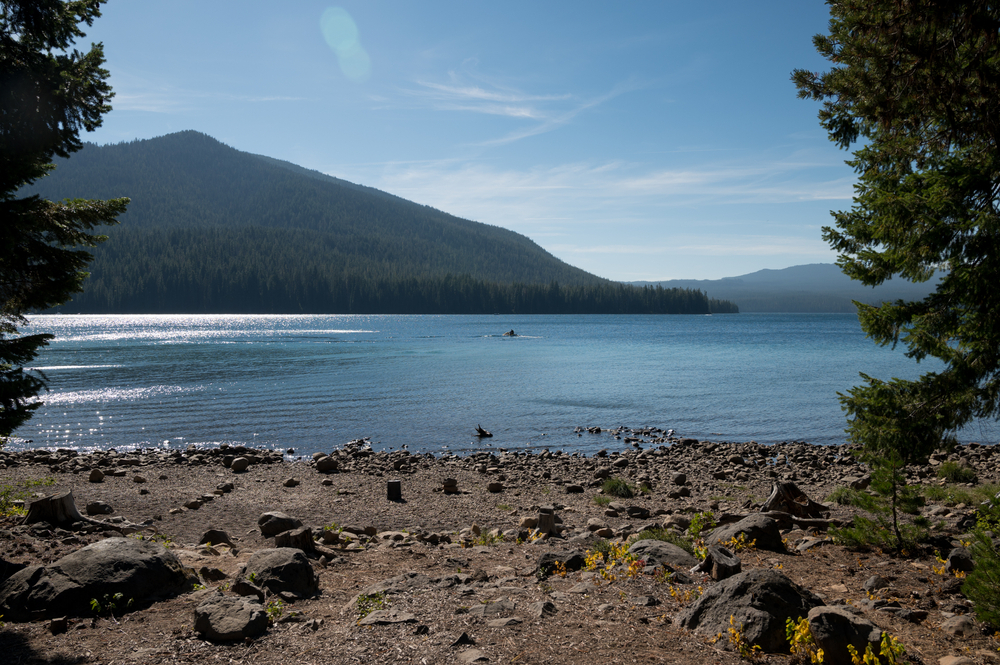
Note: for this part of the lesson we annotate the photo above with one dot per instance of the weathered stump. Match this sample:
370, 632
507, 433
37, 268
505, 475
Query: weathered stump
787, 497
394, 490
56, 509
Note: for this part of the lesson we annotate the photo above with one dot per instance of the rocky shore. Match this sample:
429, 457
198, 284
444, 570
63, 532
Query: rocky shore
453, 568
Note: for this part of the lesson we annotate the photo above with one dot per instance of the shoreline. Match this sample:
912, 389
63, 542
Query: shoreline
177, 496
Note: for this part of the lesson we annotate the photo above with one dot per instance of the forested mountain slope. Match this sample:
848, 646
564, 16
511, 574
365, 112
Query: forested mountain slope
817, 287
213, 229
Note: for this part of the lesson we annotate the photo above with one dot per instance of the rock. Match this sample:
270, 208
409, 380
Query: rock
244, 588
292, 482
211, 574
760, 599
574, 489
194, 504
503, 623
679, 479
99, 508
96, 476
226, 618
571, 559
661, 553
955, 660
273, 523
240, 464
387, 617
756, 528
494, 488
472, 656
960, 626
833, 628
959, 559
139, 570
138, 479
282, 569
492, 609
327, 464
874, 583
214, 537
542, 609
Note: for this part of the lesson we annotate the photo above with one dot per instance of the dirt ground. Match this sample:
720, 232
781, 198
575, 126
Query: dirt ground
604, 622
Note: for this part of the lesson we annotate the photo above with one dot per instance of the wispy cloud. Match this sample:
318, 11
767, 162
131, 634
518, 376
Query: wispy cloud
543, 111
133, 93
597, 215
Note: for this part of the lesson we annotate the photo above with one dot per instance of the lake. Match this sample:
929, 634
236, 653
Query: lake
315, 382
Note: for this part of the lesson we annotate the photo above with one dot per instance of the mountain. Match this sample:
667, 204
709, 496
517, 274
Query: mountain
817, 287
214, 229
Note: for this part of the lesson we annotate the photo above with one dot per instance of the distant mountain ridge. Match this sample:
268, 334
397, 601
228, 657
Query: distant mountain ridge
816, 287
211, 229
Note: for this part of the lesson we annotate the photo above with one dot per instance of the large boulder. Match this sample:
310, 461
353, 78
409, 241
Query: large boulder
225, 618
661, 553
761, 600
139, 570
833, 628
756, 527
282, 569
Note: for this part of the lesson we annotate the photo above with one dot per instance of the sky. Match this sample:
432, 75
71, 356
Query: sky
636, 140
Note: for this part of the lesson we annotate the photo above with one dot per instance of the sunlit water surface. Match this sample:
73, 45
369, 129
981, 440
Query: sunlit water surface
314, 382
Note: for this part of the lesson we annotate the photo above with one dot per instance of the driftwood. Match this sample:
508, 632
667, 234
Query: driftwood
786, 497
60, 509
481, 433
784, 520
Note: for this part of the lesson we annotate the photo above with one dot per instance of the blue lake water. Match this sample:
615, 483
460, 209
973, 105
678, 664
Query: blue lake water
315, 382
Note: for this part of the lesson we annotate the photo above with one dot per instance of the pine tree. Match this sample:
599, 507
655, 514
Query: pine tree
917, 84
48, 94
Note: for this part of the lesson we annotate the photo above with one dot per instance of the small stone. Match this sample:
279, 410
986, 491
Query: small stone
240, 464
99, 508
955, 660
138, 479
59, 625
494, 488
503, 623
292, 482
876, 582
959, 626
473, 656
542, 609
194, 504
96, 476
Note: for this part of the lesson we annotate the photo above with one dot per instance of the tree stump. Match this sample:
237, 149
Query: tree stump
300, 539
788, 498
55, 509
724, 563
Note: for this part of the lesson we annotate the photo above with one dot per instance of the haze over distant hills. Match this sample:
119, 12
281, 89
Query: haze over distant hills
817, 287
211, 229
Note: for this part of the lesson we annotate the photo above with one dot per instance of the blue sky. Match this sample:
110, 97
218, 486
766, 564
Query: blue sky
636, 140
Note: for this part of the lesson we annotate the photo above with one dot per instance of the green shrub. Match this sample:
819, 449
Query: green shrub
618, 488
982, 585
667, 536
869, 534
954, 472
845, 496
602, 500
700, 523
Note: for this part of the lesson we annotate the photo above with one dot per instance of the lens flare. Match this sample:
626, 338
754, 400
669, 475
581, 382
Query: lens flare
341, 34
